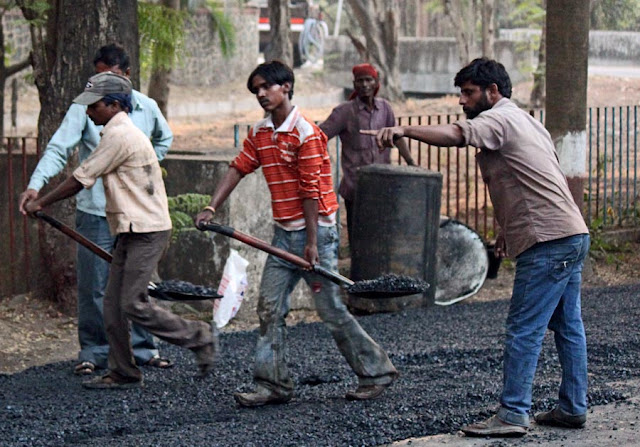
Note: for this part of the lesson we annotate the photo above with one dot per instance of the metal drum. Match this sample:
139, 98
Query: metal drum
395, 231
462, 262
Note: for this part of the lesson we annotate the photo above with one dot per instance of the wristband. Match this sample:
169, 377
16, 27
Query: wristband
209, 208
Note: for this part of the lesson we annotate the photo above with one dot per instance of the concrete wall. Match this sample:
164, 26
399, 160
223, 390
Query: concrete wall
605, 47
427, 65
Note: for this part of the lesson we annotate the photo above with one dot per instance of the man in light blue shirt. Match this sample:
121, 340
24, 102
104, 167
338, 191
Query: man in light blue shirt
77, 130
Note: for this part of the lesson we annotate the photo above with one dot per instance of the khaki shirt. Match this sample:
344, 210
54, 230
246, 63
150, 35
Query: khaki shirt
519, 164
134, 189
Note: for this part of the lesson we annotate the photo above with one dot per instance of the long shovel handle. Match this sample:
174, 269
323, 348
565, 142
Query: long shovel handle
80, 239
275, 251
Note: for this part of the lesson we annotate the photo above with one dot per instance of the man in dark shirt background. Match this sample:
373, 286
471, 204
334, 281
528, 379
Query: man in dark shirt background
363, 111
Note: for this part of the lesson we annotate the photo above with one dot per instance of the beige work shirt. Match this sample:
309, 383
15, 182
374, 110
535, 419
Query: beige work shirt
133, 186
519, 164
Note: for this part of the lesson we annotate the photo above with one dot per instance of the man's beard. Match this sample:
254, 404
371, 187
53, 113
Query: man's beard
480, 107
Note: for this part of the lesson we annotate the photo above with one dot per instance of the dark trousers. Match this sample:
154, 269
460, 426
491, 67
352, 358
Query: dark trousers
135, 257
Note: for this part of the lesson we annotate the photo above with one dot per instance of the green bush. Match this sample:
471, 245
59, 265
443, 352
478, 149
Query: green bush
183, 208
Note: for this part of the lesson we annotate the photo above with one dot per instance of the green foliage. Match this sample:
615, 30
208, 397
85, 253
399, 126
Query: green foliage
602, 249
183, 208
161, 31
38, 11
223, 26
615, 15
528, 14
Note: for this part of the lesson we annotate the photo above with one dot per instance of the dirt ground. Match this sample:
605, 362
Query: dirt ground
35, 333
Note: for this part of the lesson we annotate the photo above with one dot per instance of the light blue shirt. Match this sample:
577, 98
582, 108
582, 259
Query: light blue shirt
77, 130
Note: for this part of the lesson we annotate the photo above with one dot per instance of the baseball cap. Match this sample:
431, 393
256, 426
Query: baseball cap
101, 85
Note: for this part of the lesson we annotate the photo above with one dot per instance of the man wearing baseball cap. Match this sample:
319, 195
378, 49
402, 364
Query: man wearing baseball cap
77, 134
138, 214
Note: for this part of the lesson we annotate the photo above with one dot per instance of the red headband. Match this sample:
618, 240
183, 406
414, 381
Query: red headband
364, 70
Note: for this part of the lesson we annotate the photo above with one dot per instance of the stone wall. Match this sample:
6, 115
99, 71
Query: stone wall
202, 63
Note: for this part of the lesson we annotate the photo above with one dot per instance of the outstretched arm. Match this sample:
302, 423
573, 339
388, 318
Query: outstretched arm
444, 135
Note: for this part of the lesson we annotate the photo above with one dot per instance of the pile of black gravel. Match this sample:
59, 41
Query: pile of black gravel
449, 358
186, 289
388, 286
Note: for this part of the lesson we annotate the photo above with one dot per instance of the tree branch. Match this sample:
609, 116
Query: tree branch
15, 68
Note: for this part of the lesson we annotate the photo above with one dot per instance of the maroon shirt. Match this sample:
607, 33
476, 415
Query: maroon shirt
346, 121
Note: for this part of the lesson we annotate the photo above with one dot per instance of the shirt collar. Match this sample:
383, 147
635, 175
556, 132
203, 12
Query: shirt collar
137, 105
363, 105
288, 125
118, 118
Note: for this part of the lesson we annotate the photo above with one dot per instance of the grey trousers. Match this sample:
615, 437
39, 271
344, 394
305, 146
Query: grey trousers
365, 357
135, 257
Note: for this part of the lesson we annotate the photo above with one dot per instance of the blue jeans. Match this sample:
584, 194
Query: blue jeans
279, 277
93, 273
546, 293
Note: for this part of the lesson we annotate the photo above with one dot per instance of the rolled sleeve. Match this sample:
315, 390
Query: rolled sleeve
484, 131
60, 147
106, 158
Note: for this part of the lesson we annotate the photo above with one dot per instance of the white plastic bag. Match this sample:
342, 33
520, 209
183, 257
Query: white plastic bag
232, 288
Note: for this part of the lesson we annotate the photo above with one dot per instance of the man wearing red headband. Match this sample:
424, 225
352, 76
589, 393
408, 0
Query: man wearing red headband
363, 111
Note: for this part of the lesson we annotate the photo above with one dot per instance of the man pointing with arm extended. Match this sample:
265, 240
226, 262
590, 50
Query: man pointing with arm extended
540, 226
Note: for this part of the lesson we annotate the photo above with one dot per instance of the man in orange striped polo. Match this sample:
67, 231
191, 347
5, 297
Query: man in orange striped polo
292, 152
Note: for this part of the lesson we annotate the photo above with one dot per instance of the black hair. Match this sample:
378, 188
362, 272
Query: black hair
112, 55
483, 72
124, 99
274, 72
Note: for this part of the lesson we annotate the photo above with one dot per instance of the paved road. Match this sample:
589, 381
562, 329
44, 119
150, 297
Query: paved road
449, 358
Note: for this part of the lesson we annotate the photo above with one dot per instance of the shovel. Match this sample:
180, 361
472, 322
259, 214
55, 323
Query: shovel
387, 286
167, 291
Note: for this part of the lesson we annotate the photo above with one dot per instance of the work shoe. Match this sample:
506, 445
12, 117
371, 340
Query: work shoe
558, 418
368, 392
261, 397
494, 427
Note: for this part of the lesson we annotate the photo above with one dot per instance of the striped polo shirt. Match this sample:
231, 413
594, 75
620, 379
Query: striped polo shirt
296, 166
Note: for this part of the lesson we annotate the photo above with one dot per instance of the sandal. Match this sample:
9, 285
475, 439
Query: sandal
84, 369
158, 362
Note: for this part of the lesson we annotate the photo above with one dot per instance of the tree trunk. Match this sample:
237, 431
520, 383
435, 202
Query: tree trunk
378, 20
280, 46
62, 60
488, 28
463, 19
160, 75
566, 106
537, 97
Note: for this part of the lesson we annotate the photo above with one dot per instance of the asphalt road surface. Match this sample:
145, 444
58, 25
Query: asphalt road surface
449, 358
